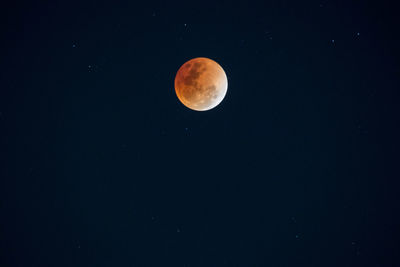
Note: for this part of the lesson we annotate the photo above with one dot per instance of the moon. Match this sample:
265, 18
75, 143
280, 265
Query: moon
201, 84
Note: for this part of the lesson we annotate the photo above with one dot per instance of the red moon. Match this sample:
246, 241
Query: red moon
201, 84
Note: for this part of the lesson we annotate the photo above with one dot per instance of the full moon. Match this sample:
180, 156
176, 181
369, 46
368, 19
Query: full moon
201, 84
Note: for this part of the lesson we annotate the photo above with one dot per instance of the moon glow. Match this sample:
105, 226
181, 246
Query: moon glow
201, 84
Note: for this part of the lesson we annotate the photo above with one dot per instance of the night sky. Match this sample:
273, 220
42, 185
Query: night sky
101, 165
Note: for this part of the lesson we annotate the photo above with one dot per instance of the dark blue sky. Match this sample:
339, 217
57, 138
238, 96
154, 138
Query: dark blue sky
101, 165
